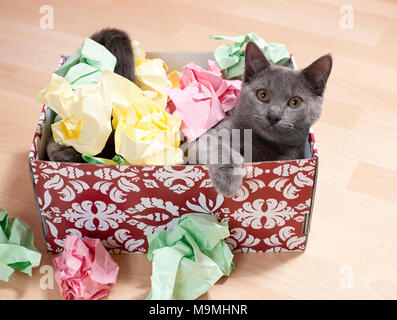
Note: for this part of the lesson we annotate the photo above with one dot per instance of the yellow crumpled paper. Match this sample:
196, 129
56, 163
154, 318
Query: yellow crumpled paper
151, 76
145, 133
85, 113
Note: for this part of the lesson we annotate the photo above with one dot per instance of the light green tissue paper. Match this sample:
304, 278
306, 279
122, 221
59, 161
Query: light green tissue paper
87, 64
57, 118
96, 160
190, 258
81, 74
70, 62
16, 247
231, 57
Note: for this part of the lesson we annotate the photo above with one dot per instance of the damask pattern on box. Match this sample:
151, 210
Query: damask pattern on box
121, 204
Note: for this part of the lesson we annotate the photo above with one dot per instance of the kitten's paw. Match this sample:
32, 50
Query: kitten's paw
227, 179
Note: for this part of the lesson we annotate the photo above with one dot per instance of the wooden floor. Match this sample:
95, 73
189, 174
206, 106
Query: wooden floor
352, 249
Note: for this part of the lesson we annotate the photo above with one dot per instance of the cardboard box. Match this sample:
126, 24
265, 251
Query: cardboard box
122, 204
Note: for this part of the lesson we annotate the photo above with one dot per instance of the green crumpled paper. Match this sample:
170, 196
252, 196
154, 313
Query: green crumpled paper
231, 57
16, 247
190, 258
96, 160
87, 64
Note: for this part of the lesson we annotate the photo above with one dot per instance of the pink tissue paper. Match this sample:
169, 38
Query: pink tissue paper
202, 99
85, 269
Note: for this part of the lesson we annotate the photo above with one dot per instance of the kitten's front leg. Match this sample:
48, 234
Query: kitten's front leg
224, 163
226, 178
226, 175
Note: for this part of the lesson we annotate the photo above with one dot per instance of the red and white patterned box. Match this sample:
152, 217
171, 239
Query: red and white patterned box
122, 204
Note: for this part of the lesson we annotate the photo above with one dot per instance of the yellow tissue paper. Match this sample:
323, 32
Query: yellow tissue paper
145, 133
85, 114
139, 54
151, 76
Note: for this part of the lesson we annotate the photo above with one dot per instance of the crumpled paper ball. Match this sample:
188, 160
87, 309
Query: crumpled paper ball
202, 99
17, 251
85, 113
152, 78
145, 133
86, 65
85, 269
190, 258
231, 57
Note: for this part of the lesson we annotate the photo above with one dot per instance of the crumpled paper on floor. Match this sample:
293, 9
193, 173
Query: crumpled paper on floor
145, 133
85, 269
151, 76
86, 65
202, 99
231, 58
85, 113
190, 258
17, 250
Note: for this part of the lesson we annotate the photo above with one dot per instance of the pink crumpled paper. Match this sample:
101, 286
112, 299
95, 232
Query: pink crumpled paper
202, 99
85, 269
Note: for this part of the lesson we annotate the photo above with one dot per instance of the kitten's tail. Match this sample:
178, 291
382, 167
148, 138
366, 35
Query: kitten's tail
119, 44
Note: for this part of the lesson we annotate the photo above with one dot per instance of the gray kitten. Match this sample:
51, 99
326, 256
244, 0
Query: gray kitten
119, 44
278, 104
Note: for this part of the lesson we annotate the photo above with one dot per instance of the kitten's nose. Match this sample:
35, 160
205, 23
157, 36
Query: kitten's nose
273, 118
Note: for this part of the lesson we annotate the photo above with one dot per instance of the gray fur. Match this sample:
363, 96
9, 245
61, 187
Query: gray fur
278, 131
61, 153
119, 44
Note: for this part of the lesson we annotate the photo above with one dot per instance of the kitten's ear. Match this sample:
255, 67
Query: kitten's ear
318, 72
255, 61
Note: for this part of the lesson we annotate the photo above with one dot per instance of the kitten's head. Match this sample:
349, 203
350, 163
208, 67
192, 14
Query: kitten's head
279, 103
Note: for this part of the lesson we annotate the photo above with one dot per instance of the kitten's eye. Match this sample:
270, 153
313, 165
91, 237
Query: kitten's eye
263, 95
295, 102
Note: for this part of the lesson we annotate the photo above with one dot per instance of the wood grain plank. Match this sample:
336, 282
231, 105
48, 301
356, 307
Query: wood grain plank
355, 209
